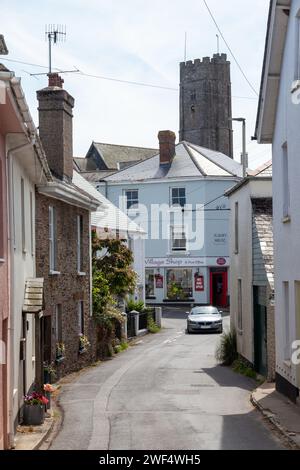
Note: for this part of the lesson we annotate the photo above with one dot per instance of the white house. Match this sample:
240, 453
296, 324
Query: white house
278, 123
110, 221
252, 270
177, 196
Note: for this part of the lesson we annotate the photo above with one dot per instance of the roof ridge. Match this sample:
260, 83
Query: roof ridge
131, 166
212, 161
125, 146
262, 167
185, 144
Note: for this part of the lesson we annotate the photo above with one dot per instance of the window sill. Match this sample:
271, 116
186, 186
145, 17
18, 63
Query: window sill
81, 274
151, 297
286, 220
54, 273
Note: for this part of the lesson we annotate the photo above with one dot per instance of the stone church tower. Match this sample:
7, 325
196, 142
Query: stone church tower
205, 103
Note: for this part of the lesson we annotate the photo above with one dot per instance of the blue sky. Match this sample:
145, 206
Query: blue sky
141, 41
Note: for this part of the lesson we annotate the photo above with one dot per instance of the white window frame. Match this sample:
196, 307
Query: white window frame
79, 226
52, 241
177, 197
180, 229
133, 206
80, 313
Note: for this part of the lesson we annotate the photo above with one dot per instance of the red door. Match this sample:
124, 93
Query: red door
218, 289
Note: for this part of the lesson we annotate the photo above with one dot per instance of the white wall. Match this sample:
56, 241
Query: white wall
23, 267
286, 235
241, 263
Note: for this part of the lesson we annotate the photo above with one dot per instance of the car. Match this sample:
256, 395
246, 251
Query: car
206, 318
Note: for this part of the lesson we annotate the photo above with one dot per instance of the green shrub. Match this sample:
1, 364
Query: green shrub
138, 306
121, 347
151, 325
242, 367
226, 352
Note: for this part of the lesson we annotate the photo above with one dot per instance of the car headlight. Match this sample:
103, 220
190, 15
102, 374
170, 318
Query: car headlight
192, 322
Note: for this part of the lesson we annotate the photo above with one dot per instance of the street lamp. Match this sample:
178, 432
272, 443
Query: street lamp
244, 153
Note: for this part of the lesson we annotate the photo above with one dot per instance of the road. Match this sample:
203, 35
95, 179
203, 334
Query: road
165, 393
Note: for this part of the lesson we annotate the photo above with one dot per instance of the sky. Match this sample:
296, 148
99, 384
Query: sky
140, 41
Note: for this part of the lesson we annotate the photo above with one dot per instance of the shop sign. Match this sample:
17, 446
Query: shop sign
159, 281
221, 261
199, 283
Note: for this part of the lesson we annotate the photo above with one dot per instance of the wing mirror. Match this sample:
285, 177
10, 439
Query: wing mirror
187, 313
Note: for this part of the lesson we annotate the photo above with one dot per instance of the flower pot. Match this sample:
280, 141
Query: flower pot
33, 415
59, 359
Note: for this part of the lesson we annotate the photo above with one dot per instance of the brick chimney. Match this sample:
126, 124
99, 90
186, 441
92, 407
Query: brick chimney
55, 127
166, 147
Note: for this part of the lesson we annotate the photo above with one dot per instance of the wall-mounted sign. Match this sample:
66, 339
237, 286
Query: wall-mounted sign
199, 283
186, 262
221, 261
159, 281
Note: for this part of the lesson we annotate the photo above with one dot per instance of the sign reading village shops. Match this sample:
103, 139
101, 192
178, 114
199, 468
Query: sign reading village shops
186, 262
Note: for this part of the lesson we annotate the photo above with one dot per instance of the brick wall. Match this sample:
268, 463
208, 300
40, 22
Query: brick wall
66, 288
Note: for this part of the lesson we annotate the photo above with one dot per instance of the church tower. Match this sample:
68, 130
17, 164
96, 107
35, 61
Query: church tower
205, 103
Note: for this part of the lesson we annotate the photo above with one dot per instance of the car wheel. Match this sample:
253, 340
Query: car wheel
188, 331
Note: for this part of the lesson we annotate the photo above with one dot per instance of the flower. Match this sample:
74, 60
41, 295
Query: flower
49, 388
60, 349
84, 342
50, 368
35, 399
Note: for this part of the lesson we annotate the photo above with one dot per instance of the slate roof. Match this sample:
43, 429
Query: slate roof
264, 170
113, 155
3, 48
107, 215
190, 161
96, 176
263, 222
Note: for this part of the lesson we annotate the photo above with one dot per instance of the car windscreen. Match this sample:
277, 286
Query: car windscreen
207, 311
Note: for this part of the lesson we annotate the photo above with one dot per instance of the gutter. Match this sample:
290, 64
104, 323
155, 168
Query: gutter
69, 195
245, 181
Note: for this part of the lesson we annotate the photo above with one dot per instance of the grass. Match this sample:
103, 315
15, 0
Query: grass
152, 326
121, 347
226, 352
241, 367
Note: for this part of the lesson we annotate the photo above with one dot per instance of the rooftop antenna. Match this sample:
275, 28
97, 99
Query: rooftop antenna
185, 45
54, 34
218, 43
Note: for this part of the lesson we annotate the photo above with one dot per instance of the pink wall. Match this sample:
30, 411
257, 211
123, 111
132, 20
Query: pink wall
4, 293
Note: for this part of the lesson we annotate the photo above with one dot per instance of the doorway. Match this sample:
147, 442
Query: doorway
260, 330
218, 288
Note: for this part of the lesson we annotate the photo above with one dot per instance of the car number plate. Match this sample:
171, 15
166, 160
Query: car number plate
205, 327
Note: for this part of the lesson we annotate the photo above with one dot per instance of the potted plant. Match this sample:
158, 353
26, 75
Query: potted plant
84, 344
60, 352
48, 389
49, 372
34, 409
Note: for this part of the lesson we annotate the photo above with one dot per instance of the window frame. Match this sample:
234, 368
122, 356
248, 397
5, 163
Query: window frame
134, 201
172, 239
178, 197
240, 305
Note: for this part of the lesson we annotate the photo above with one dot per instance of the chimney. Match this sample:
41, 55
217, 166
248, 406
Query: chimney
55, 127
166, 147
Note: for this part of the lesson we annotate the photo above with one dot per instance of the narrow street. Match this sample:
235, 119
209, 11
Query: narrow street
165, 393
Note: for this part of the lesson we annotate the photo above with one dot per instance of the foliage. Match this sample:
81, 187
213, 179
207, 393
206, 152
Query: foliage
49, 368
151, 325
84, 342
115, 264
60, 349
35, 399
138, 306
175, 292
227, 349
241, 367
121, 347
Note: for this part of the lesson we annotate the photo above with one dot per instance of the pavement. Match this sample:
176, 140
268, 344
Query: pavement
32, 437
164, 393
280, 411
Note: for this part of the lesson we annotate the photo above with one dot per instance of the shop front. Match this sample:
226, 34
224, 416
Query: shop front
187, 280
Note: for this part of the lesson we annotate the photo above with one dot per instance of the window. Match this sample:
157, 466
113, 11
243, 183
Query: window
81, 317
52, 240
240, 305
31, 225
23, 216
178, 197
286, 320
178, 239
179, 284
132, 198
149, 283
285, 181
58, 323
79, 243
236, 228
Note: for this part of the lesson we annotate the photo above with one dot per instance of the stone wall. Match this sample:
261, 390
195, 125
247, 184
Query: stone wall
66, 288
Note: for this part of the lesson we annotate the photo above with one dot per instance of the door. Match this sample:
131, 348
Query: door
260, 331
218, 289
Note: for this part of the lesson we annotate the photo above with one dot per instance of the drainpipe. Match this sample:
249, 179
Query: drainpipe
11, 319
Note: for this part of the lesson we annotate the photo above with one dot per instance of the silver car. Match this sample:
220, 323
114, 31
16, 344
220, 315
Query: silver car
204, 319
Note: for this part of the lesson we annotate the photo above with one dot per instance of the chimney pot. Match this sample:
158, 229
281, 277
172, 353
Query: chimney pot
166, 147
55, 80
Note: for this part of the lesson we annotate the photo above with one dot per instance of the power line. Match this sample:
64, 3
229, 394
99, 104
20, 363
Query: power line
229, 48
119, 80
